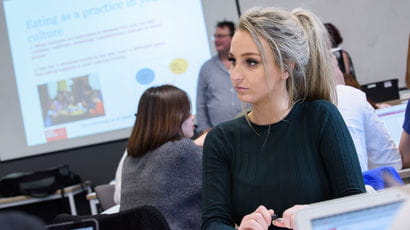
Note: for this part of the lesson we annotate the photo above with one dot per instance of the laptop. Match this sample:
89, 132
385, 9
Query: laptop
369, 211
381, 91
393, 118
86, 224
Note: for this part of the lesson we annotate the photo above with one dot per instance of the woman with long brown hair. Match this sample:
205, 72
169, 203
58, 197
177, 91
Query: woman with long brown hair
163, 165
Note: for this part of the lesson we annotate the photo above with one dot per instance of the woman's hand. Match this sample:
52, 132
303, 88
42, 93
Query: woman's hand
288, 219
260, 219
382, 105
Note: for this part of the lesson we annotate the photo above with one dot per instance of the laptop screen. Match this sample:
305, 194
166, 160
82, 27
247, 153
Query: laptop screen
393, 118
373, 218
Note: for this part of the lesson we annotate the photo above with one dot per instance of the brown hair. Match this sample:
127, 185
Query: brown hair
161, 112
334, 34
228, 24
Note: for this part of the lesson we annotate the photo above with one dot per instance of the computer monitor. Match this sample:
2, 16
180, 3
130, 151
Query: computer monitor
374, 218
393, 118
375, 211
381, 91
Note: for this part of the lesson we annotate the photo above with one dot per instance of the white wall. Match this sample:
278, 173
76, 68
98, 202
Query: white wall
375, 32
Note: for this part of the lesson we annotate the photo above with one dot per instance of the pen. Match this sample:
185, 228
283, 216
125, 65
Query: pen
275, 217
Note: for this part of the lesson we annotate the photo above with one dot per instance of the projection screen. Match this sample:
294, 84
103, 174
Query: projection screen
72, 71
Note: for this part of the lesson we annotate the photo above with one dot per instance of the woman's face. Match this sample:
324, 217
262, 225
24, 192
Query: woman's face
188, 127
248, 73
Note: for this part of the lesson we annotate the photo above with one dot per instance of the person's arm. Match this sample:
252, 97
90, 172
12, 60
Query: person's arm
404, 146
338, 153
405, 149
201, 101
216, 184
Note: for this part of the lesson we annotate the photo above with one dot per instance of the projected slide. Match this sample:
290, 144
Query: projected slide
81, 66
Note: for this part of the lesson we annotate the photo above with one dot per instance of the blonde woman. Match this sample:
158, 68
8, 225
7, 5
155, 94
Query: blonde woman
292, 147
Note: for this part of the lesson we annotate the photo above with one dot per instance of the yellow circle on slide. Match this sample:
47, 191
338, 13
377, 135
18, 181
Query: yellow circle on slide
178, 66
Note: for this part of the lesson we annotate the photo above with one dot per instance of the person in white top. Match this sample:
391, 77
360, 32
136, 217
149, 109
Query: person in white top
118, 173
374, 146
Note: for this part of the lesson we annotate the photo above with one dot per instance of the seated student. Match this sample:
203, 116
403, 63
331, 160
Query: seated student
404, 145
118, 173
293, 146
374, 146
163, 166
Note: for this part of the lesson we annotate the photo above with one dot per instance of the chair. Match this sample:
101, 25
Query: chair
382, 91
105, 195
144, 217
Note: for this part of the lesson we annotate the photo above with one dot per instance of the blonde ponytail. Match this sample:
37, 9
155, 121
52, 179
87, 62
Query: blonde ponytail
319, 70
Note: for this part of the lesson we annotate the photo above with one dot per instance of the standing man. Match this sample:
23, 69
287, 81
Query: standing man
216, 100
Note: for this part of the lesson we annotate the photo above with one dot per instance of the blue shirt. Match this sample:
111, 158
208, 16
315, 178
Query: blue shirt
406, 124
216, 99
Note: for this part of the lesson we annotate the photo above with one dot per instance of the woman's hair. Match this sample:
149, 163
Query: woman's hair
161, 112
300, 46
335, 37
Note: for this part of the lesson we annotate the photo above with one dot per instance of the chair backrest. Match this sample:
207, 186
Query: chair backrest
144, 217
382, 90
105, 195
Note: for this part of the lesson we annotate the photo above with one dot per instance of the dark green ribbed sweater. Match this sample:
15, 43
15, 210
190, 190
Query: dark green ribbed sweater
308, 157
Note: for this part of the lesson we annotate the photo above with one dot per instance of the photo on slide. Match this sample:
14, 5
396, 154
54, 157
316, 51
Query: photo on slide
71, 100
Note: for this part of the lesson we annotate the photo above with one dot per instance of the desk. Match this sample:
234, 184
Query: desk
395, 102
69, 192
405, 175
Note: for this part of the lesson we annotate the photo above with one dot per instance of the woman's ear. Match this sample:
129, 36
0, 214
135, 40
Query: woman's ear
285, 75
289, 68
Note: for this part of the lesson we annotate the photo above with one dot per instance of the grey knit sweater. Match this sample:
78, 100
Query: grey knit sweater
168, 178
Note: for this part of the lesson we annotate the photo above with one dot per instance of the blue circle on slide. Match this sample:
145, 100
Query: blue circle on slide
145, 76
